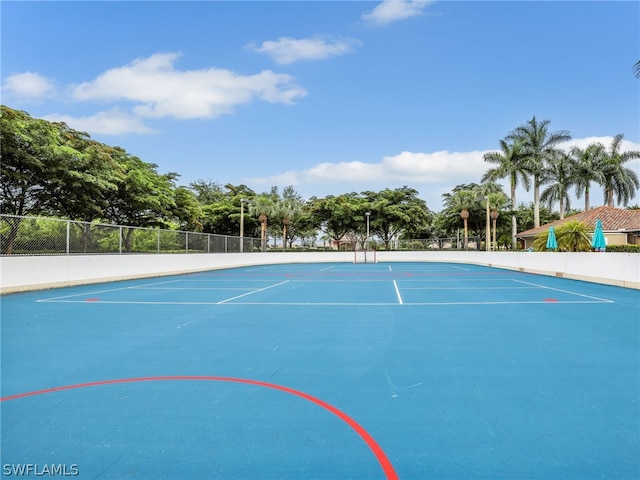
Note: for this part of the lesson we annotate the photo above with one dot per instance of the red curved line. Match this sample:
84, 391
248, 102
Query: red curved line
368, 439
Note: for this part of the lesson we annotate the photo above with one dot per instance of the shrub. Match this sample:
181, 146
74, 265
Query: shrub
623, 248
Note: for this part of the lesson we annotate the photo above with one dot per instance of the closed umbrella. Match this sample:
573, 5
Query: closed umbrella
598, 242
552, 243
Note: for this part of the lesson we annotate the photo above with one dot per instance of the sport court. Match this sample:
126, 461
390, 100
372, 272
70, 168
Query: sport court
326, 371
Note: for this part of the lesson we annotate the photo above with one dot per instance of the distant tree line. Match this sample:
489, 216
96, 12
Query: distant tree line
49, 169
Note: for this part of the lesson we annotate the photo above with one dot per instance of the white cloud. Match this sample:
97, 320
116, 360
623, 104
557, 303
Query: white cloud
28, 85
287, 50
394, 10
431, 173
606, 141
111, 122
405, 168
160, 90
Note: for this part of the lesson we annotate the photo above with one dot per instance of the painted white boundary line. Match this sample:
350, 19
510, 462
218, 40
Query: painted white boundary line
252, 292
332, 304
193, 288
397, 292
565, 291
469, 288
84, 294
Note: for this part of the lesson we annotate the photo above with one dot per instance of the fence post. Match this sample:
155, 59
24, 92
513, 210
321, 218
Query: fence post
158, 240
120, 239
225, 244
68, 236
208, 243
186, 243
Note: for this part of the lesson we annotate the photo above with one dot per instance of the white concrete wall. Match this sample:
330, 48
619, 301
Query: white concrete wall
39, 272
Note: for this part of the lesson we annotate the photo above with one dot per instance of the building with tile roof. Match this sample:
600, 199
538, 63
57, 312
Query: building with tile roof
620, 226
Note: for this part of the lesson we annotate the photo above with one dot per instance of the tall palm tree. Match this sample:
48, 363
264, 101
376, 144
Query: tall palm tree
263, 207
509, 164
483, 192
587, 167
287, 209
619, 181
539, 148
496, 201
559, 177
462, 201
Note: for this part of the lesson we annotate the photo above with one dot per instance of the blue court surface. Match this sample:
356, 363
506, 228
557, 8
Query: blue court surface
324, 371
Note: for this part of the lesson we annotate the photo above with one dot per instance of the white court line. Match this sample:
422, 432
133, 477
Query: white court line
103, 291
565, 291
469, 288
328, 268
455, 266
252, 292
390, 268
333, 304
192, 288
397, 292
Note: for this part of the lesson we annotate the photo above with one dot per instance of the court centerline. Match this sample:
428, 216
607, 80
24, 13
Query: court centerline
397, 292
252, 292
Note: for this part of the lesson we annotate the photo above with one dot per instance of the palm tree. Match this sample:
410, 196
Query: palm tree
462, 201
287, 209
574, 236
509, 164
496, 201
559, 176
483, 192
263, 207
539, 148
619, 180
587, 167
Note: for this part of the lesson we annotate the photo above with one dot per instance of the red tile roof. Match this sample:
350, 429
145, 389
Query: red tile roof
613, 220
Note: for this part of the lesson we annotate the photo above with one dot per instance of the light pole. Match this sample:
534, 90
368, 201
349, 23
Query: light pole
366, 243
242, 202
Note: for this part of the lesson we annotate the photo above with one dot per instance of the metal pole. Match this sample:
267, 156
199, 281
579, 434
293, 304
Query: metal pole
68, 236
242, 200
366, 244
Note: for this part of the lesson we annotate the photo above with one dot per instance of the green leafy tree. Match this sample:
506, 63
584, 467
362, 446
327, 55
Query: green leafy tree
48, 168
524, 214
338, 216
395, 211
144, 197
207, 192
187, 211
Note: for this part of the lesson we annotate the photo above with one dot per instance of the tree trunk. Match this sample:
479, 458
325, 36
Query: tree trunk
536, 202
514, 221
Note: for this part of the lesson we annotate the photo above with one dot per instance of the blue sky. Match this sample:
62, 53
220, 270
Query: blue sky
330, 97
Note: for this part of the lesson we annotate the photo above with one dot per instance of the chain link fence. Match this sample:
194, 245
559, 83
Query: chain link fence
440, 243
50, 236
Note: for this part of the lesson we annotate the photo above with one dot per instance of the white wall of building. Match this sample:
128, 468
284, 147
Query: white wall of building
40, 272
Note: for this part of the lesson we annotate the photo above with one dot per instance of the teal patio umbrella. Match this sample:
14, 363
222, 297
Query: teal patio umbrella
552, 243
598, 242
